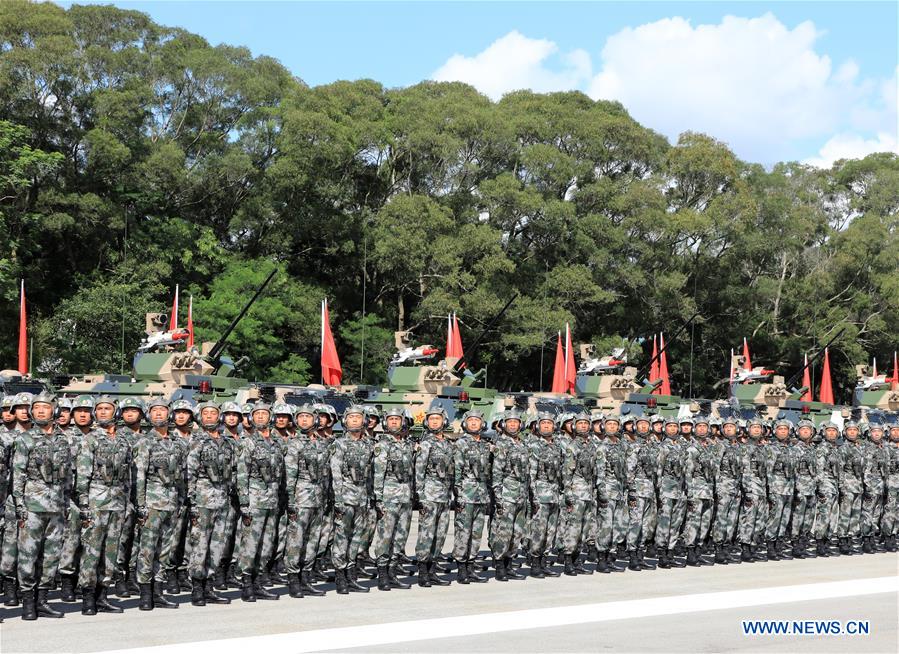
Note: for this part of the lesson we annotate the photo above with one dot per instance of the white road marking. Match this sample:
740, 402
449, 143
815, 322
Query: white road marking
483, 623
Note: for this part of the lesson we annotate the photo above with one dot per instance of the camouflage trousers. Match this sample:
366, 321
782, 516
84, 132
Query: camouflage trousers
389, 530
280, 539
641, 522
889, 524
206, 542
753, 519
803, 518
39, 543
508, 528
402, 534
303, 539
10, 546
872, 512
827, 519
181, 538
100, 549
671, 519
727, 512
543, 525
71, 542
327, 535
349, 525
850, 514
154, 548
368, 531
130, 535
780, 509
257, 541
698, 520
578, 525
611, 524
468, 528
231, 553
433, 523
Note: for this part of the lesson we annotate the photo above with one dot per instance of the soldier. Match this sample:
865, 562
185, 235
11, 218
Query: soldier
42, 482
260, 466
209, 481
433, 488
351, 474
830, 466
183, 434
393, 498
372, 420
806, 463
890, 523
876, 467
103, 484
754, 514
545, 487
853, 463
284, 432
471, 488
21, 411
327, 419
306, 472
509, 479
246, 413
642, 458
159, 465
781, 473
7, 440
700, 485
671, 472
580, 492
131, 412
611, 520
232, 431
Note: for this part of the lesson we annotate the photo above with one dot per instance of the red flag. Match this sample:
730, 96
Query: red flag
731, 366
331, 370
173, 319
559, 368
825, 393
665, 388
570, 370
457, 338
895, 381
747, 364
874, 365
654, 366
449, 336
190, 322
807, 382
23, 334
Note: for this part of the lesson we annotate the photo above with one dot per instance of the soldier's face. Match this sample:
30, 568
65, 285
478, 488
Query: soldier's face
611, 426
512, 426
8, 415
42, 411
805, 433
852, 433
131, 415
702, 429
182, 417
730, 430
209, 415
65, 416
671, 430
158, 414
22, 414
876, 435
281, 421
261, 418
395, 423
104, 411
596, 427
658, 427
356, 420
232, 419
305, 420
755, 431
642, 427
582, 426
82, 417
686, 429
372, 422
830, 434
473, 424
629, 427
324, 420
246, 420
894, 433
545, 427
782, 432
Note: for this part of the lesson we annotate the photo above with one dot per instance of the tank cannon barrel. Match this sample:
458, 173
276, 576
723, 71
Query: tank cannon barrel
215, 354
671, 339
474, 346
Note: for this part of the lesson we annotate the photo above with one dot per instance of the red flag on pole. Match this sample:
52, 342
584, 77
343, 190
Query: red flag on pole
874, 365
449, 336
570, 370
807, 382
23, 334
825, 393
747, 364
190, 322
654, 366
559, 368
332, 373
457, 338
665, 388
894, 385
173, 319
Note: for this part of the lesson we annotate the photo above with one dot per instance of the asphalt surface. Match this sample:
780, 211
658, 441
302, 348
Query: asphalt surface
690, 631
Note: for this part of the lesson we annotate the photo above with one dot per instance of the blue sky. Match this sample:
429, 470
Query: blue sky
789, 80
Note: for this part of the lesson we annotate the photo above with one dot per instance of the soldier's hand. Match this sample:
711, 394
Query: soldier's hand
87, 519
194, 516
820, 496
691, 505
141, 513
292, 512
21, 516
602, 503
747, 502
422, 510
498, 509
339, 508
245, 516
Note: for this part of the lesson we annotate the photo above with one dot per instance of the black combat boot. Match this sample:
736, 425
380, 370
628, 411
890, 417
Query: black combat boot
29, 605
579, 565
197, 596
43, 609
184, 580
613, 563
799, 548
891, 543
67, 594
318, 569
231, 578
159, 600
219, 580
131, 581
664, 561
146, 598
633, 561
352, 581
652, 551
537, 567
393, 572
247, 590
103, 603
340, 580
644, 564
602, 564
721, 555
261, 592
306, 585
293, 585
383, 578
692, 557
434, 578
88, 600
172, 586
211, 596
473, 575
675, 563
868, 545
773, 554
569, 565
12, 592
121, 587
546, 567
746, 553
424, 580
845, 546
500, 567
462, 573
511, 571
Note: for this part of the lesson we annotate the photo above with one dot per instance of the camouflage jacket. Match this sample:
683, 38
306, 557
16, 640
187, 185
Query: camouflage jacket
103, 478
41, 471
160, 465
781, 469
830, 467
642, 459
614, 474
579, 471
672, 469
701, 470
472, 468
393, 470
892, 480
877, 465
729, 478
260, 465
209, 466
545, 471
509, 473
434, 470
134, 437
7, 446
755, 470
806, 462
307, 472
853, 462
351, 471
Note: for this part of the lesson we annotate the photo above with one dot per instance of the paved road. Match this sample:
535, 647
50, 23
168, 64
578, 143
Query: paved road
691, 609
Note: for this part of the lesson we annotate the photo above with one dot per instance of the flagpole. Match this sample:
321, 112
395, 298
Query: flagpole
322, 343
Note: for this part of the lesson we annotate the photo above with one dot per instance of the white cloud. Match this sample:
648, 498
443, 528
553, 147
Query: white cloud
516, 62
852, 146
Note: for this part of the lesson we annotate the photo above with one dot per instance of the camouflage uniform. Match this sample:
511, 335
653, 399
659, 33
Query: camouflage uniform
671, 472
509, 479
829, 467
729, 481
853, 465
393, 503
68, 558
876, 469
579, 484
642, 461
472, 495
125, 562
545, 483
8, 521
611, 520
890, 523
700, 485
781, 473
754, 514
433, 485
804, 501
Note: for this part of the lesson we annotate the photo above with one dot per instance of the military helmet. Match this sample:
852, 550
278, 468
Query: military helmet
246, 409
83, 402
63, 404
628, 419
106, 399
183, 405
671, 420
702, 419
512, 414
714, 421
44, 397
657, 418
396, 412
850, 424
23, 399
686, 420
282, 409
410, 419
805, 422
207, 404
783, 422
353, 409
829, 424
230, 407
730, 420
157, 401
582, 416
132, 403
545, 415
261, 406
8, 401
311, 409
371, 412
436, 410
614, 417
473, 413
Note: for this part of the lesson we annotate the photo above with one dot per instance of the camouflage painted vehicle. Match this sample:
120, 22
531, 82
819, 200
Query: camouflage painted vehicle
13, 382
874, 391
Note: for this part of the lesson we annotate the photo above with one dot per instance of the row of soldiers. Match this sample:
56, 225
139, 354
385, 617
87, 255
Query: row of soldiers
154, 498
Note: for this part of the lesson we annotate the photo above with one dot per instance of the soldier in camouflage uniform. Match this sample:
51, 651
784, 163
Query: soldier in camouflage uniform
754, 514
351, 475
728, 482
21, 411
580, 492
327, 419
611, 520
641, 463
830, 467
804, 502
700, 487
471, 488
853, 462
393, 471
42, 482
433, 488
509, 479
781, 472
7, 440
372, 420
876, 467
671, 471
545, 486
232, 431
132, 412
890, 524
159, 466
183, 433
260, 466
209, 466
284, 432
103, 485
306, 470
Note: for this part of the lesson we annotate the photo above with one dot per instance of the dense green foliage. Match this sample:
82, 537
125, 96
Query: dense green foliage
135, 156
